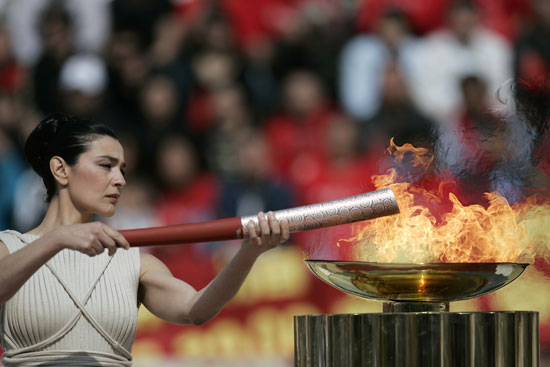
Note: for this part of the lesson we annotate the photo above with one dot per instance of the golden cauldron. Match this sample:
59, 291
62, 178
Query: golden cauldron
430, 282
416, 328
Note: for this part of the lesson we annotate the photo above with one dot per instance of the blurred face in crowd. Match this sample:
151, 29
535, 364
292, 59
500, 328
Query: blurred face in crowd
229, 107
303, 93
392, 29
474, 92
96, 181
342, 138
81, 103
160, 99
214, 70
10, 111
5, 47
217, 35
253, 156
394, 89
463, 20
56, 34
127, 58
177, 162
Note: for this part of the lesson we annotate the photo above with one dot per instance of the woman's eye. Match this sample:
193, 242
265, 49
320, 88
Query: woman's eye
106, 165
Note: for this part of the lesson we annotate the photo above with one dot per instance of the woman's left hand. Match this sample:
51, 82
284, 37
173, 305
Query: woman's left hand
272, 233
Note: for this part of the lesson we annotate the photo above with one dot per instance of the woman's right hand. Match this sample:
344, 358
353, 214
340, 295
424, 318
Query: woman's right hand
89, 238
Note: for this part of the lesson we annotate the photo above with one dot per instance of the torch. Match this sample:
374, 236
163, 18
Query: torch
331, 213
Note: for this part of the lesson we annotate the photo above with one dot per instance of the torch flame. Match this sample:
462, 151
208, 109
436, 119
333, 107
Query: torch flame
463, 233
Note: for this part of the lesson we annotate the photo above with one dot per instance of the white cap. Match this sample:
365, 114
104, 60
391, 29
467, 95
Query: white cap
83, 73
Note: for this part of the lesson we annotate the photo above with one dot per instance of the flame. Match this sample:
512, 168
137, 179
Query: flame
435, 226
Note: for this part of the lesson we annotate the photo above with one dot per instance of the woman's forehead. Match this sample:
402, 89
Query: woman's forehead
106, 145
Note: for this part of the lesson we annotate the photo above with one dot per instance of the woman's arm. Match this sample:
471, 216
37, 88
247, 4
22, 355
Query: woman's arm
90, 238
176, 301
17, 268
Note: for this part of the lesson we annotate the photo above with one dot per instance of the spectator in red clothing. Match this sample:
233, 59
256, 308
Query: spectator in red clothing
532, 50
345, 172
187, 194
296, 135
212, 70
12, 75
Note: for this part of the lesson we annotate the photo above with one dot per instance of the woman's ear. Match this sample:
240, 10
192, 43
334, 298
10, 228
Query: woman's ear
60, 170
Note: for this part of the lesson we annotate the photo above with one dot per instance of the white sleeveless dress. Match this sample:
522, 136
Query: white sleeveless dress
74, 311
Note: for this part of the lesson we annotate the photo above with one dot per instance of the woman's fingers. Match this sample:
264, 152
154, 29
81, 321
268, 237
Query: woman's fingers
264, 228
104, 237
275, 228
252, 233
96, 247
285, 230
117, 237
268, 232
107, 242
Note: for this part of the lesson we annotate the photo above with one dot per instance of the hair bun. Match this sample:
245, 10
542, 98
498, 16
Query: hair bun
37, 146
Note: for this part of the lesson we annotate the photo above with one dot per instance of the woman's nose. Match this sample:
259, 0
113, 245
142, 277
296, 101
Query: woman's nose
120, 180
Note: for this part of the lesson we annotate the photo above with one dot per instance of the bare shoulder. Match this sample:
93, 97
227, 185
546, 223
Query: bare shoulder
3, 250
150, 263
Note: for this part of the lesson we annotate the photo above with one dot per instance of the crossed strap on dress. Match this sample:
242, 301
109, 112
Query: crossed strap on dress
31, 353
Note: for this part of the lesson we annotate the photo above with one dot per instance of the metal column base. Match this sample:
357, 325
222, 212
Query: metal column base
418, 339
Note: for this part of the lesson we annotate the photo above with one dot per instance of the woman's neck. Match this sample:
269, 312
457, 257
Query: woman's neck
61, 211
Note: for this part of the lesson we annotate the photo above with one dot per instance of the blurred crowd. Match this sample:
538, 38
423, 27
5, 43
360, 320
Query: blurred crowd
229, 107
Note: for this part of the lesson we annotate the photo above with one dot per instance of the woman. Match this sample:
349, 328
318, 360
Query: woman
64, 300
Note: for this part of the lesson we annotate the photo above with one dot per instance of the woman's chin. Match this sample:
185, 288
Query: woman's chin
107, 212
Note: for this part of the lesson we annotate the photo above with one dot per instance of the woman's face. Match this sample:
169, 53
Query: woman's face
96, 181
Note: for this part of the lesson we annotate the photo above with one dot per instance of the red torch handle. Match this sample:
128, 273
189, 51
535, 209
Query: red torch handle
215, 230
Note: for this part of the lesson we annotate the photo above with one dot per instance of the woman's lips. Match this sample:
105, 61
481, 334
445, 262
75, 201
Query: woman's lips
114, 198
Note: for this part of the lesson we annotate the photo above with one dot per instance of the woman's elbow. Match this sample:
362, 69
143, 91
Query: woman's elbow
200, 321
199, 318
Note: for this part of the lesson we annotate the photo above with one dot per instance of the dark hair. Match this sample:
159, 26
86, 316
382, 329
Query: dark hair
64, 136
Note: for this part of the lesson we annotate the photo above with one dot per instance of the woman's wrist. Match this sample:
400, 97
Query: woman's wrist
248, 251
54, 244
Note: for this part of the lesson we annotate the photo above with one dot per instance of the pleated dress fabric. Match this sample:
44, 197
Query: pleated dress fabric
74, 311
